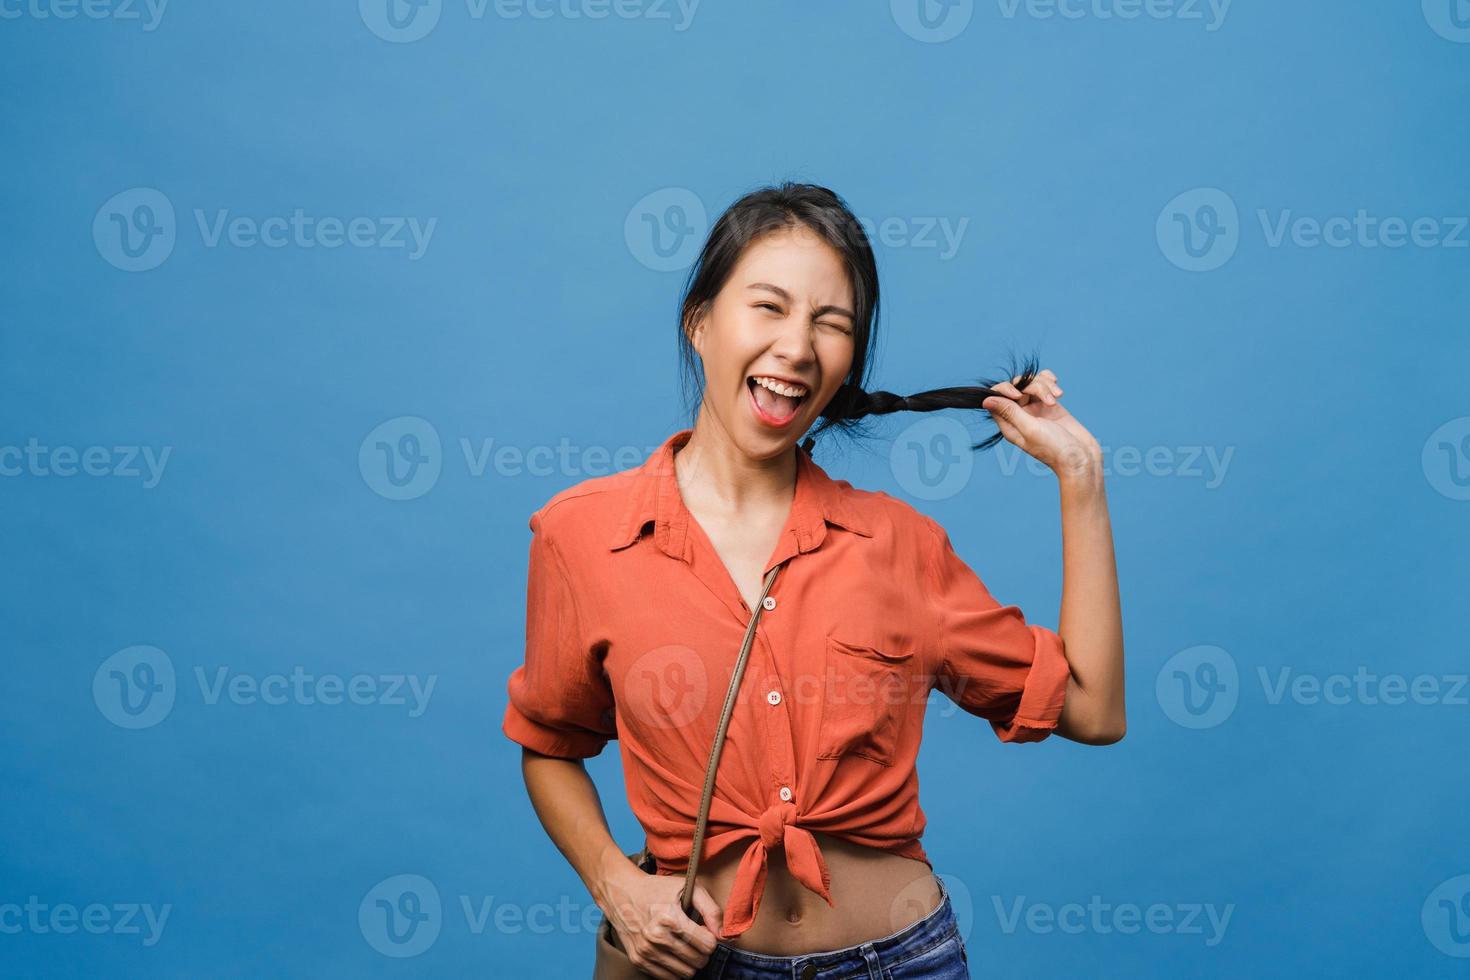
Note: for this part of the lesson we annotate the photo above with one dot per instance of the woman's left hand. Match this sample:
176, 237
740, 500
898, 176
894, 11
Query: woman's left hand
1035, 420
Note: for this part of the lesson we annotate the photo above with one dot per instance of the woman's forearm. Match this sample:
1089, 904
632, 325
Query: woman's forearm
1091, 622
567, 804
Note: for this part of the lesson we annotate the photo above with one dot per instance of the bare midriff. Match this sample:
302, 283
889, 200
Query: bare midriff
874, 894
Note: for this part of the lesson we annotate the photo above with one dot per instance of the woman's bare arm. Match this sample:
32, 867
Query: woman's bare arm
567, 804
643, 908
1091, 622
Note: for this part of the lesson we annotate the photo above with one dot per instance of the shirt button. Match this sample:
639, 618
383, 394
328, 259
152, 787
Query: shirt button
786, 793
774, 697
769, 602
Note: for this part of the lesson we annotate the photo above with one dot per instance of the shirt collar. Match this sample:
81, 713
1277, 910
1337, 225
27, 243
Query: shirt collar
653, 495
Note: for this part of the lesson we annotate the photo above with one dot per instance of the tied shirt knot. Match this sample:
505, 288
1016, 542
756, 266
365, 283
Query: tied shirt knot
775, 827
773, 822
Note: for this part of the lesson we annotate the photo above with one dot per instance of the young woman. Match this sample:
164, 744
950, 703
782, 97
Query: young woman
642, 585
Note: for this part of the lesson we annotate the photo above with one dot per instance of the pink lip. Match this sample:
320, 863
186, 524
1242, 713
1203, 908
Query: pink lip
765, 416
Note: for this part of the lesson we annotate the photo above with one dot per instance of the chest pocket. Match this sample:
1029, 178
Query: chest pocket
865, 700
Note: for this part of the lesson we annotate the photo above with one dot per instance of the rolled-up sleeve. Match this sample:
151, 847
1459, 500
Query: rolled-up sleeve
560, 702
994, 664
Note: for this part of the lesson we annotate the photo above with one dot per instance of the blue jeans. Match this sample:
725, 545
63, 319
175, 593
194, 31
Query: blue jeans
931, 949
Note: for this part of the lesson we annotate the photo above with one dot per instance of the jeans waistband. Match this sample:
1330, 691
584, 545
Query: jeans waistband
935, 927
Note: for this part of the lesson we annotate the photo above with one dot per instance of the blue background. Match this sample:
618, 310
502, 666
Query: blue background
1334, 540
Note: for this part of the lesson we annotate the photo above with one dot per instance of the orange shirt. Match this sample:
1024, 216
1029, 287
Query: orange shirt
633, 626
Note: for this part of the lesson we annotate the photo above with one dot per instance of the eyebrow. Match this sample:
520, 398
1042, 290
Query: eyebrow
819, 311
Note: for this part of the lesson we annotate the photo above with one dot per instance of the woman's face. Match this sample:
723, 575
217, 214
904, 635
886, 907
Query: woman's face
785, 317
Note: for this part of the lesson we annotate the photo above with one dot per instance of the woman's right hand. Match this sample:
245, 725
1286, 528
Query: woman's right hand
653, 929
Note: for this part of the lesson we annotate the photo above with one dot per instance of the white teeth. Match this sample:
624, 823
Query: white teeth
790, 391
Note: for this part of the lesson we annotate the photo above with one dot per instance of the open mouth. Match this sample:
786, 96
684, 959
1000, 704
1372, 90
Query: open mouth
775, 402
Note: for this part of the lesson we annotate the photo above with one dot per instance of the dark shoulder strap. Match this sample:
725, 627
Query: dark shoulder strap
686, 897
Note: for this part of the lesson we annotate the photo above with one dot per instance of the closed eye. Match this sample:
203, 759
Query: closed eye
822, 323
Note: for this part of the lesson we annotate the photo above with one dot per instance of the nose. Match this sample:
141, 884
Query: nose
793, 343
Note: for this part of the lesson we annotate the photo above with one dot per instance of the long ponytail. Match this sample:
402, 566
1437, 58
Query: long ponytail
786, 205
851, 403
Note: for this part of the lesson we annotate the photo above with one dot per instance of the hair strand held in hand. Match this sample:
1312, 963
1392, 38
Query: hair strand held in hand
823, 213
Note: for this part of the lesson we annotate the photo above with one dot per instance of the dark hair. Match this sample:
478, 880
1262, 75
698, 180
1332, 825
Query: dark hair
785, 205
